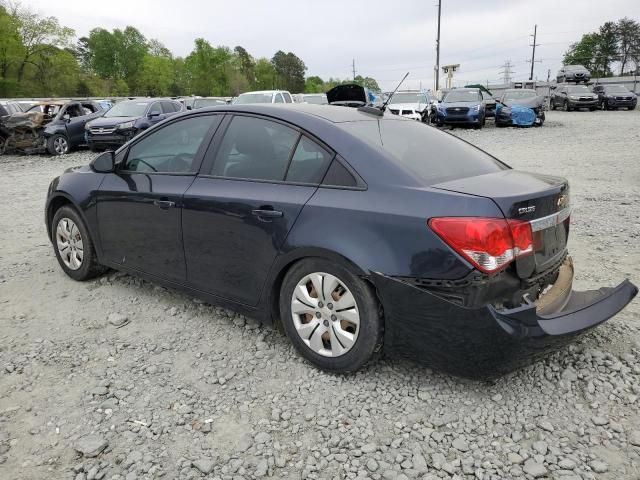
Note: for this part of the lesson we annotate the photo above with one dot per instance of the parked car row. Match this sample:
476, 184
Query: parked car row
606, 97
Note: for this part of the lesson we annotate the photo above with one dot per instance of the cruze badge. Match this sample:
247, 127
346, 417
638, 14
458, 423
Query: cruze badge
523, 210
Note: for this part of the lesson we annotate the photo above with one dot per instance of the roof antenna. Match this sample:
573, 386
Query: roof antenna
379, 111
384, 105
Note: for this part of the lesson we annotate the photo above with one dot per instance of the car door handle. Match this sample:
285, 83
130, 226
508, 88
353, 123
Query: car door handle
164, 204
266, 213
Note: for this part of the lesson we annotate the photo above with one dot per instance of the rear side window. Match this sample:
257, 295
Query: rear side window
339, 176
308, 163
431, 155
256, 149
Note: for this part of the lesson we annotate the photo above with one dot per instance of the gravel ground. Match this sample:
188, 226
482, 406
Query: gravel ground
189, 390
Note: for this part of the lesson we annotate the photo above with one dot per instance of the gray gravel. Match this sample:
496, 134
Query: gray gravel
187, 390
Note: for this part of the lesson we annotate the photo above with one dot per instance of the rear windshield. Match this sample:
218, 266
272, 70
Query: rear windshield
431, 155
254, 98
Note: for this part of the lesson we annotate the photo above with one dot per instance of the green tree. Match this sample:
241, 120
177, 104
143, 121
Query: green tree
628, 36
11, 51
290, 71
265, 75
367, 82
208, 69
583, 52
314, 84
156, 76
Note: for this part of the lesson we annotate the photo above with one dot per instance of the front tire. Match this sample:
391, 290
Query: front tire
566, 107
331, 316
552, 105
73, 246
58, 144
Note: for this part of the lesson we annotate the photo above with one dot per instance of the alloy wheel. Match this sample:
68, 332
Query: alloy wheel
69, 242
325, 314
60, 145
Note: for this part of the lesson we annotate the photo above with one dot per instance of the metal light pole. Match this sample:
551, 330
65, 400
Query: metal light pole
437, 69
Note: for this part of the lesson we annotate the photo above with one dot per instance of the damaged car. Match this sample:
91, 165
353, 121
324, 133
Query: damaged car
520, 107
356, 232
56, 127
126, 119
412, 104
350, 95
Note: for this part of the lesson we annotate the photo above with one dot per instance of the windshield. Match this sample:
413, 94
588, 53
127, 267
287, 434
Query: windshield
616, 89
431, 155
520, 94
315, 99
253, 98
409, 97
461, 96
578, 89
127, 109
207, 102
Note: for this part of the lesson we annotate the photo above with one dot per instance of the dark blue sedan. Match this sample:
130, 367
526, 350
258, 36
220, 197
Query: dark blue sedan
356, 232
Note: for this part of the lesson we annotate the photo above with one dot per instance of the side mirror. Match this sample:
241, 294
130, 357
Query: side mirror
153, 114
189, 107
104, 163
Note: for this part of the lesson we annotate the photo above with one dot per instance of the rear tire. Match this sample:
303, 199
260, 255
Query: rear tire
338, 329
73, 245
3, 141
58, 144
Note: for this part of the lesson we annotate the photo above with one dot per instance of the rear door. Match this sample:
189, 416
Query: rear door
257, 176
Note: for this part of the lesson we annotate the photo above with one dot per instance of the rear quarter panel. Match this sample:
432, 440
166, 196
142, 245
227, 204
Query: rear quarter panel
385, 230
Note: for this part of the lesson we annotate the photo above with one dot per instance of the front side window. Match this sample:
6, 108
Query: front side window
155, 109
279, 98
256, 149
308, 163
168, 107
287, 98
171, 149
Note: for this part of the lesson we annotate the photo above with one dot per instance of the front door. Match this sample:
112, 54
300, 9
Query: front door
239, 210
140, 205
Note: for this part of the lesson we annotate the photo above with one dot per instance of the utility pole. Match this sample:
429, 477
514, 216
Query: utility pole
533, 53
506, 72
437, 69
353, 66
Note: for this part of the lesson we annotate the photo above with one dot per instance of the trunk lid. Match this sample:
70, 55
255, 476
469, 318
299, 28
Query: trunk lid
542, 200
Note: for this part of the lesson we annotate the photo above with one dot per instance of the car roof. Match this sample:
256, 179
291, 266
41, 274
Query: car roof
264, 91
331, 113
520, 90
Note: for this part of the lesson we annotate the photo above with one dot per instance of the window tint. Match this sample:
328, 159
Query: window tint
254, 148
155, 108
168, 107
308, 163
171, 149
279, 98
287, 98
339, 176
430, 155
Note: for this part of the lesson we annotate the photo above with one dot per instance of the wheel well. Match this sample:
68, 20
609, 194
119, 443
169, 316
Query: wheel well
56, 204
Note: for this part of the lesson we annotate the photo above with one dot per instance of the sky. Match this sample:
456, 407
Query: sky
386, 39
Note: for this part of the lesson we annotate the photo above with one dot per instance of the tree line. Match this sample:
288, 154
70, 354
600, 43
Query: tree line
39, 57
615, 44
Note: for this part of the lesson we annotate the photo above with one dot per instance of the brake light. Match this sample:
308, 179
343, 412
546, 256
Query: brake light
490, 244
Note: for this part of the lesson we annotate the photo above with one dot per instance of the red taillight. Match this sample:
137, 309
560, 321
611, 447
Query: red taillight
488, 243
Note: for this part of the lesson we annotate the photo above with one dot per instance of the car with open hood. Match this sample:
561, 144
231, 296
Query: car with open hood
612, 97
126, 119
350, 95
461, 106
354, 230
521, 97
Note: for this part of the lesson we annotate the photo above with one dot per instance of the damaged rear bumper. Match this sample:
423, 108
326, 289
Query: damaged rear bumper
486, 342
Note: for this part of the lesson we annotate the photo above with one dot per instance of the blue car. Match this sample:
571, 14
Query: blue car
126, 119
355, 231
461, 106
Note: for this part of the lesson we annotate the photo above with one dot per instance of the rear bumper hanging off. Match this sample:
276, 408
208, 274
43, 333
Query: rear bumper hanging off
486, 342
